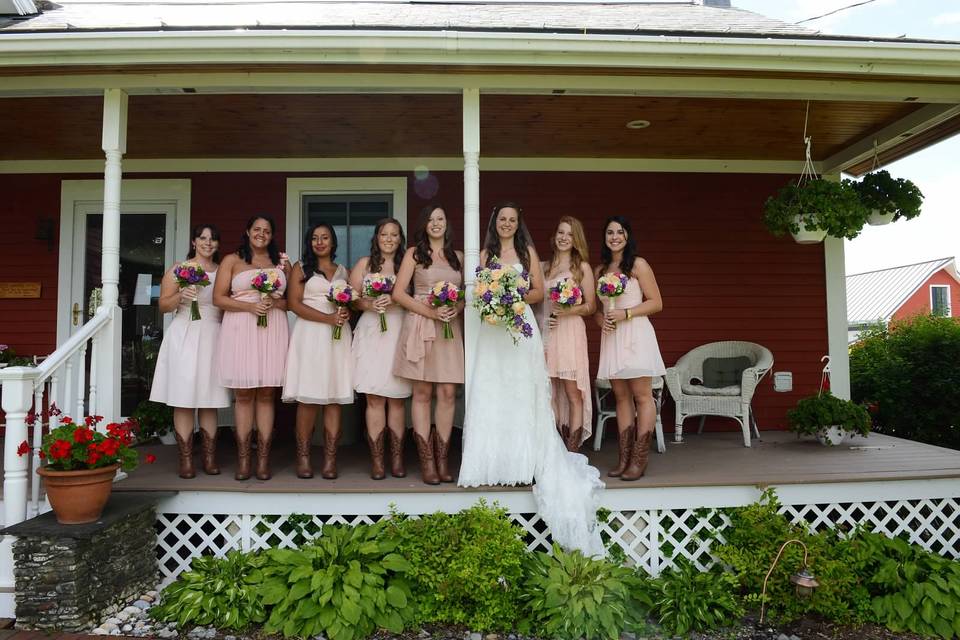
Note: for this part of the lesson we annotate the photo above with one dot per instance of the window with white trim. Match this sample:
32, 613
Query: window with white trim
940, 300
353, 218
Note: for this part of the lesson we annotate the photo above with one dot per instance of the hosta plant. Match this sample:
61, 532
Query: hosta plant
685, 600
345, 585
569, 596
222, 592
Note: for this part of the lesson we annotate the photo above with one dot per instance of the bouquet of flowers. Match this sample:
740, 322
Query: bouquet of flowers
266, 281
445, 294
191, 274
340, 294
498, 296
612, 285
375, 285
566, 293
73, 446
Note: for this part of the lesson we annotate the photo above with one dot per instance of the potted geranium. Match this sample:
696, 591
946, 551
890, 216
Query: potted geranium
814, 209
829, 418
887, 198
79, 464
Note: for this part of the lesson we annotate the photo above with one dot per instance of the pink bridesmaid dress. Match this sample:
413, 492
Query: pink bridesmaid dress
319, 368
631, 350
252, 356
422, 351
566, 352
372, 348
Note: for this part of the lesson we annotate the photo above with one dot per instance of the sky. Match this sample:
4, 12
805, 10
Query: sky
936, 170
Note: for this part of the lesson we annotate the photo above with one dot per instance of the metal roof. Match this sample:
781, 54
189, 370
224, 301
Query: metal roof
876, 295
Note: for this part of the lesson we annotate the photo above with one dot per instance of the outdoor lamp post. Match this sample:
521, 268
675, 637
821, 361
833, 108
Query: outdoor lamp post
803, 579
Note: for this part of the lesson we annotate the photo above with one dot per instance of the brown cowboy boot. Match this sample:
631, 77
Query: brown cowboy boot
329, 469
208, 443
638, 458
377, 470
263, 455
573, 440
428, 464
243, 457
304, 437
185, 451
397, 469
440, 451
625, 440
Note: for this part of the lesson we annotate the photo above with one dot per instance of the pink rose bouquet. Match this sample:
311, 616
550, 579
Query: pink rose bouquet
445, 294
612, 285
191, 274
340, 294
566, 293
266, 281
376, 285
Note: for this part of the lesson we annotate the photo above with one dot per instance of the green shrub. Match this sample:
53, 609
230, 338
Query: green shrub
466, 568
684, 599
153, 419
756, 533
215, 591
815, 413
345, 585
909, 374
569, 596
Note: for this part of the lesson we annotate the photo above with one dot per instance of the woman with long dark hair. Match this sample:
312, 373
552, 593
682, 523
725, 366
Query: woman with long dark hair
509, 430
185, 377
375, 342
424, 356
252, 355
319, 368
629, 354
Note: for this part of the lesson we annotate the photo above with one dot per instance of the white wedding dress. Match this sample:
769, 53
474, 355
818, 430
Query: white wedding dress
510, 438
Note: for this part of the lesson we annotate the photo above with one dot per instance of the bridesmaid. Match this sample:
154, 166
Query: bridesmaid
423, 355
629, 354
566, 338
251, 356
318, 367
185, 377
371, 347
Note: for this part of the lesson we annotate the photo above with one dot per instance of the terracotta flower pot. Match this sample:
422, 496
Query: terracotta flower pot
78, 497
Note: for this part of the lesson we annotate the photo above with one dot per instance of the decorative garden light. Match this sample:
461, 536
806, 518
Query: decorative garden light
803, 579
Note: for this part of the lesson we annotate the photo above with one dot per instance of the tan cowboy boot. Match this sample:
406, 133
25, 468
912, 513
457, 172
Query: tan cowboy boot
243, 457
329, 469
397, 468
626, 445
304, 436
573, 440
428, 463
440, 451
263, 455
208, 443
185, 451
377, 469
638, 458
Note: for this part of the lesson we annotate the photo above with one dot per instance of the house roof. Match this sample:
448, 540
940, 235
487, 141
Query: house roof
876, 295
691, 17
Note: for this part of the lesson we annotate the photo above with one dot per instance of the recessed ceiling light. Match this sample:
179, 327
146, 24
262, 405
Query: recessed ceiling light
638, 124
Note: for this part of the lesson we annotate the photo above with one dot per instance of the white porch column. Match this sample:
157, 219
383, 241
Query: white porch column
837, 317
107, 344
17, 400
471, 215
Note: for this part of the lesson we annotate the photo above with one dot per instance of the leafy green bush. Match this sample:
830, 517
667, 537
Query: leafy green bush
814, 414
465, 567
685, 599
346, 584
752, 542
569, 596
215, 591
914, 590
909, 374
154, 419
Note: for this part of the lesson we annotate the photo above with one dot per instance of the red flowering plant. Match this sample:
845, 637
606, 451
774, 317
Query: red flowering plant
75, 446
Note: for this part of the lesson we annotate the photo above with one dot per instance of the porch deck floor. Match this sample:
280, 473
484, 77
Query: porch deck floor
711, 459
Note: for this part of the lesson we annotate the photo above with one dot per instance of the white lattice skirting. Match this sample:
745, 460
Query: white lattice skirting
652, 526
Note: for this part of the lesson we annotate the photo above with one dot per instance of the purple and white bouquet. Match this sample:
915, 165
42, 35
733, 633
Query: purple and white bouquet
498, 296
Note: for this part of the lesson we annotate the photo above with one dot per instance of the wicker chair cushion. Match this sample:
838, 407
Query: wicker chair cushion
724, 372
702, 390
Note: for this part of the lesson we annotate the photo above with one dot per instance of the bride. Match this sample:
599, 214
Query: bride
509, 437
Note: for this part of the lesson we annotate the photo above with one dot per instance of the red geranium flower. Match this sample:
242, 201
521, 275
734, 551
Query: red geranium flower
150, 458
60, 449
23, 449
83, 435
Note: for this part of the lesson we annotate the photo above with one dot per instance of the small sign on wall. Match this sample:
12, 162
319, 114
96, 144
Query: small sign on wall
19, 290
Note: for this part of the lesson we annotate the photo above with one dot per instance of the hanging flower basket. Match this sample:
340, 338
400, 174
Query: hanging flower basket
814, 209
887, 198
806, 235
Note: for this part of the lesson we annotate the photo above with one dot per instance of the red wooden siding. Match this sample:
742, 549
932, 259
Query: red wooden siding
919, 302
722, 276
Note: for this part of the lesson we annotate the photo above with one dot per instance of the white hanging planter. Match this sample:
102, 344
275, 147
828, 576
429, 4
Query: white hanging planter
832, 436
805, 235
168, 438
878, 219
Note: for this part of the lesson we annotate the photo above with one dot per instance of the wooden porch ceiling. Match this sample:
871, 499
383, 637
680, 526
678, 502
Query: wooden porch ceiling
385, 125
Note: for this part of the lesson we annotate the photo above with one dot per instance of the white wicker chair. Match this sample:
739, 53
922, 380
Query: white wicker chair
730, 401
605, 411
